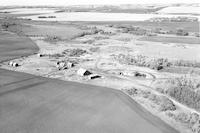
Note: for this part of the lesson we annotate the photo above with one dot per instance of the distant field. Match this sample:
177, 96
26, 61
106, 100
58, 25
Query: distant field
63, 31
187, 26
32, 28
2, 15
13, 46
115, 9
180, 9
171, 39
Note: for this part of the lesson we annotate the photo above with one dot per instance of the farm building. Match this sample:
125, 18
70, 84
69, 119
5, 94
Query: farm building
83, 72
69, 65
14, 64
94, 76
40, 55
10, 63
64, 65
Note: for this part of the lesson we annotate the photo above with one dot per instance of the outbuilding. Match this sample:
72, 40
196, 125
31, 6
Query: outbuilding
69, 65
14, 64
94, 76
39, 55
10, 63
83, 72
64, 65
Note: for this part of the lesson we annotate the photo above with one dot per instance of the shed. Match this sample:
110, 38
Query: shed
39, 55
94, 76
83, 72
15, 64
64, 65
10, 63
69, 65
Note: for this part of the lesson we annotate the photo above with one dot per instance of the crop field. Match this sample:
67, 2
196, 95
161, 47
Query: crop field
13, 46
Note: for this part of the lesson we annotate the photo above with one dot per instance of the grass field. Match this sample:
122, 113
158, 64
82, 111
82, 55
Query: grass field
171, 39
13, 46
63, 31
171, 26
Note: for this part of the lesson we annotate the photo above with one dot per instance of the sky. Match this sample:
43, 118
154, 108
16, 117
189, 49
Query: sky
89, 2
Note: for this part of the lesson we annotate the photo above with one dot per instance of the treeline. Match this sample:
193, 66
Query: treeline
184, 89
186, 96
153, 63
140, 60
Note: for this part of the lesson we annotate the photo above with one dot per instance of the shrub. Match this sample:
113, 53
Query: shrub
155, 98
146, 94
185, 95
6, 25
193, 118
183, 89
140, 60
138, 74
166, 104
186, 63
75, 52
52, 39
94, 49
90, 32
88, 41
170, 114
181, 32
196, 128
132, 91
183, 117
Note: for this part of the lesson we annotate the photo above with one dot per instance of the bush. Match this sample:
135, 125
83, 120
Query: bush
75, 52
196, 128
166, 104
132, 91
52, 39
181, 32
183, 89
146, 94
91, 32
186, 63
94, 49
6, 25
186, 96
193, 118
155, 98
144, 61
183, 117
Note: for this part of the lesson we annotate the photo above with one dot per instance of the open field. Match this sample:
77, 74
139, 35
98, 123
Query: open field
37, 105
96, 16
170, 26
13, 46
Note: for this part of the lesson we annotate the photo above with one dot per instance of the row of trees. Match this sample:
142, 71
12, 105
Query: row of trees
140, 60
186, 96
183, 89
